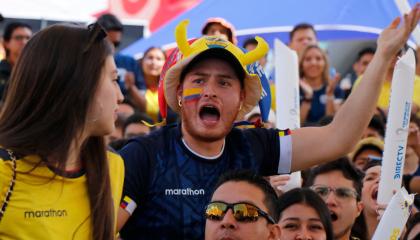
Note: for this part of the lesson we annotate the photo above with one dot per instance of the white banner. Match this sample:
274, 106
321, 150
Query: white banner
397, 127
286, 66
395, 216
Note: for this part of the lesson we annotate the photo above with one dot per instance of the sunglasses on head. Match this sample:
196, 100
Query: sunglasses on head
242, 212
342, 193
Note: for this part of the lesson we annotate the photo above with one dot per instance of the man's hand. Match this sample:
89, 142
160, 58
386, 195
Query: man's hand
392, 39
339, 137
278, 181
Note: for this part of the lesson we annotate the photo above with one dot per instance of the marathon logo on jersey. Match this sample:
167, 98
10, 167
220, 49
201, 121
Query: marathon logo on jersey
184, 192
128, 204
46, 213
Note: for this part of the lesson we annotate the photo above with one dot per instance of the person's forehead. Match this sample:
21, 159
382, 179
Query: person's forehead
207, 65
154, 52
333, 178
20, 30
367, 56
216, 25
373, 170
313, 52
300, 211
304, 32
241, 191
110, 64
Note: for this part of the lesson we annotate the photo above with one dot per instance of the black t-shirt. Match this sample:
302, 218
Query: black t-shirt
171, 185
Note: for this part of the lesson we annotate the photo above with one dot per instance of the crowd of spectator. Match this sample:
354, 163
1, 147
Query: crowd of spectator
337, 200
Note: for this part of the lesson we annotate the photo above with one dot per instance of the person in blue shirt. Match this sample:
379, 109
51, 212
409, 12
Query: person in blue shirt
171, 173
128, 68
319, 93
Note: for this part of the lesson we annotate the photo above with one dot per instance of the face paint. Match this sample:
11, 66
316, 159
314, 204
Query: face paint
191, 94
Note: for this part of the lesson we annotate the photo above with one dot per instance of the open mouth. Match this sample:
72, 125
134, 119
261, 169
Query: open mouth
334, 216
209, 114
375, 194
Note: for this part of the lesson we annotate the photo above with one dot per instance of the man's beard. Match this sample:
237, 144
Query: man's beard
205, 137
188, 126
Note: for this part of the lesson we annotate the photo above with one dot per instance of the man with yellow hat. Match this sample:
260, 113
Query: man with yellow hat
171, 173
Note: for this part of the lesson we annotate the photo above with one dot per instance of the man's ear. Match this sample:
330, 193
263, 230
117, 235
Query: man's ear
275, 231
242, 96
179, 92
5, 44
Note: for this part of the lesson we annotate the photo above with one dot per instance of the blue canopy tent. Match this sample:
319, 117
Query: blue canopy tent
333, 20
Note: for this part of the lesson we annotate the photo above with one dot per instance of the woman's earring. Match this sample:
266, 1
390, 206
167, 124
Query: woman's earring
179, 103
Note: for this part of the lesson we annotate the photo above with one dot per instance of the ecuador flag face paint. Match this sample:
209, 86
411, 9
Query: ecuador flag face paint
191, 94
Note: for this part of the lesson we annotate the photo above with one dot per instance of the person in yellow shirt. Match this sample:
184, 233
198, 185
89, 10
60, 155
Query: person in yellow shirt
151, 67
57, 180
385, 94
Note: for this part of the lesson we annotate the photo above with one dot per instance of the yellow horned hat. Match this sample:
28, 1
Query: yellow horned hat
186, 52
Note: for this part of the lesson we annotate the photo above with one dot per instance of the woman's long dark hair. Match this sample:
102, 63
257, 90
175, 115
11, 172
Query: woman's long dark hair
308, 197
46, 105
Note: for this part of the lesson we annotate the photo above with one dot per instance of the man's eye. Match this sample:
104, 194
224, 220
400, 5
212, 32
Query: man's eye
291, 226
316, 227
224, 83
198, 81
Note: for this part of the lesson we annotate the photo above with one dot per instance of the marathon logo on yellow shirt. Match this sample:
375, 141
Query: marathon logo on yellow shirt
46, 213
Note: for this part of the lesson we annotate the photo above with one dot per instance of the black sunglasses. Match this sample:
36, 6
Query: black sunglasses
242, 212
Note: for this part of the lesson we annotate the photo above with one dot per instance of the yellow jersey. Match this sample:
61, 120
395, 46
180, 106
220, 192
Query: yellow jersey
45, 205
384, 96
152, 104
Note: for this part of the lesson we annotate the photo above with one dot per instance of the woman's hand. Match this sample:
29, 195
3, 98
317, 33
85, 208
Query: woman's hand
332, 84
308, 92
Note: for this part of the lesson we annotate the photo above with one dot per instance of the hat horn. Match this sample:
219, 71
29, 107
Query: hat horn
257, 53
181, 37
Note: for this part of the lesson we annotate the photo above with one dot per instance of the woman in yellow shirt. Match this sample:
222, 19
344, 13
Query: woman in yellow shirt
385, 94
151, 66
57, 180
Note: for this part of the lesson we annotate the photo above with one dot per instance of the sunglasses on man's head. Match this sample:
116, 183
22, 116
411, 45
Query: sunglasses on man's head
242, 212
342, 193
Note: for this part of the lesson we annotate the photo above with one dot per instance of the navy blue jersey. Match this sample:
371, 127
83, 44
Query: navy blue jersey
319, 102
171, 185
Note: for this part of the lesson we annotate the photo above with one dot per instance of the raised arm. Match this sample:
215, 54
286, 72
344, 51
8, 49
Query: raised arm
316, 145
